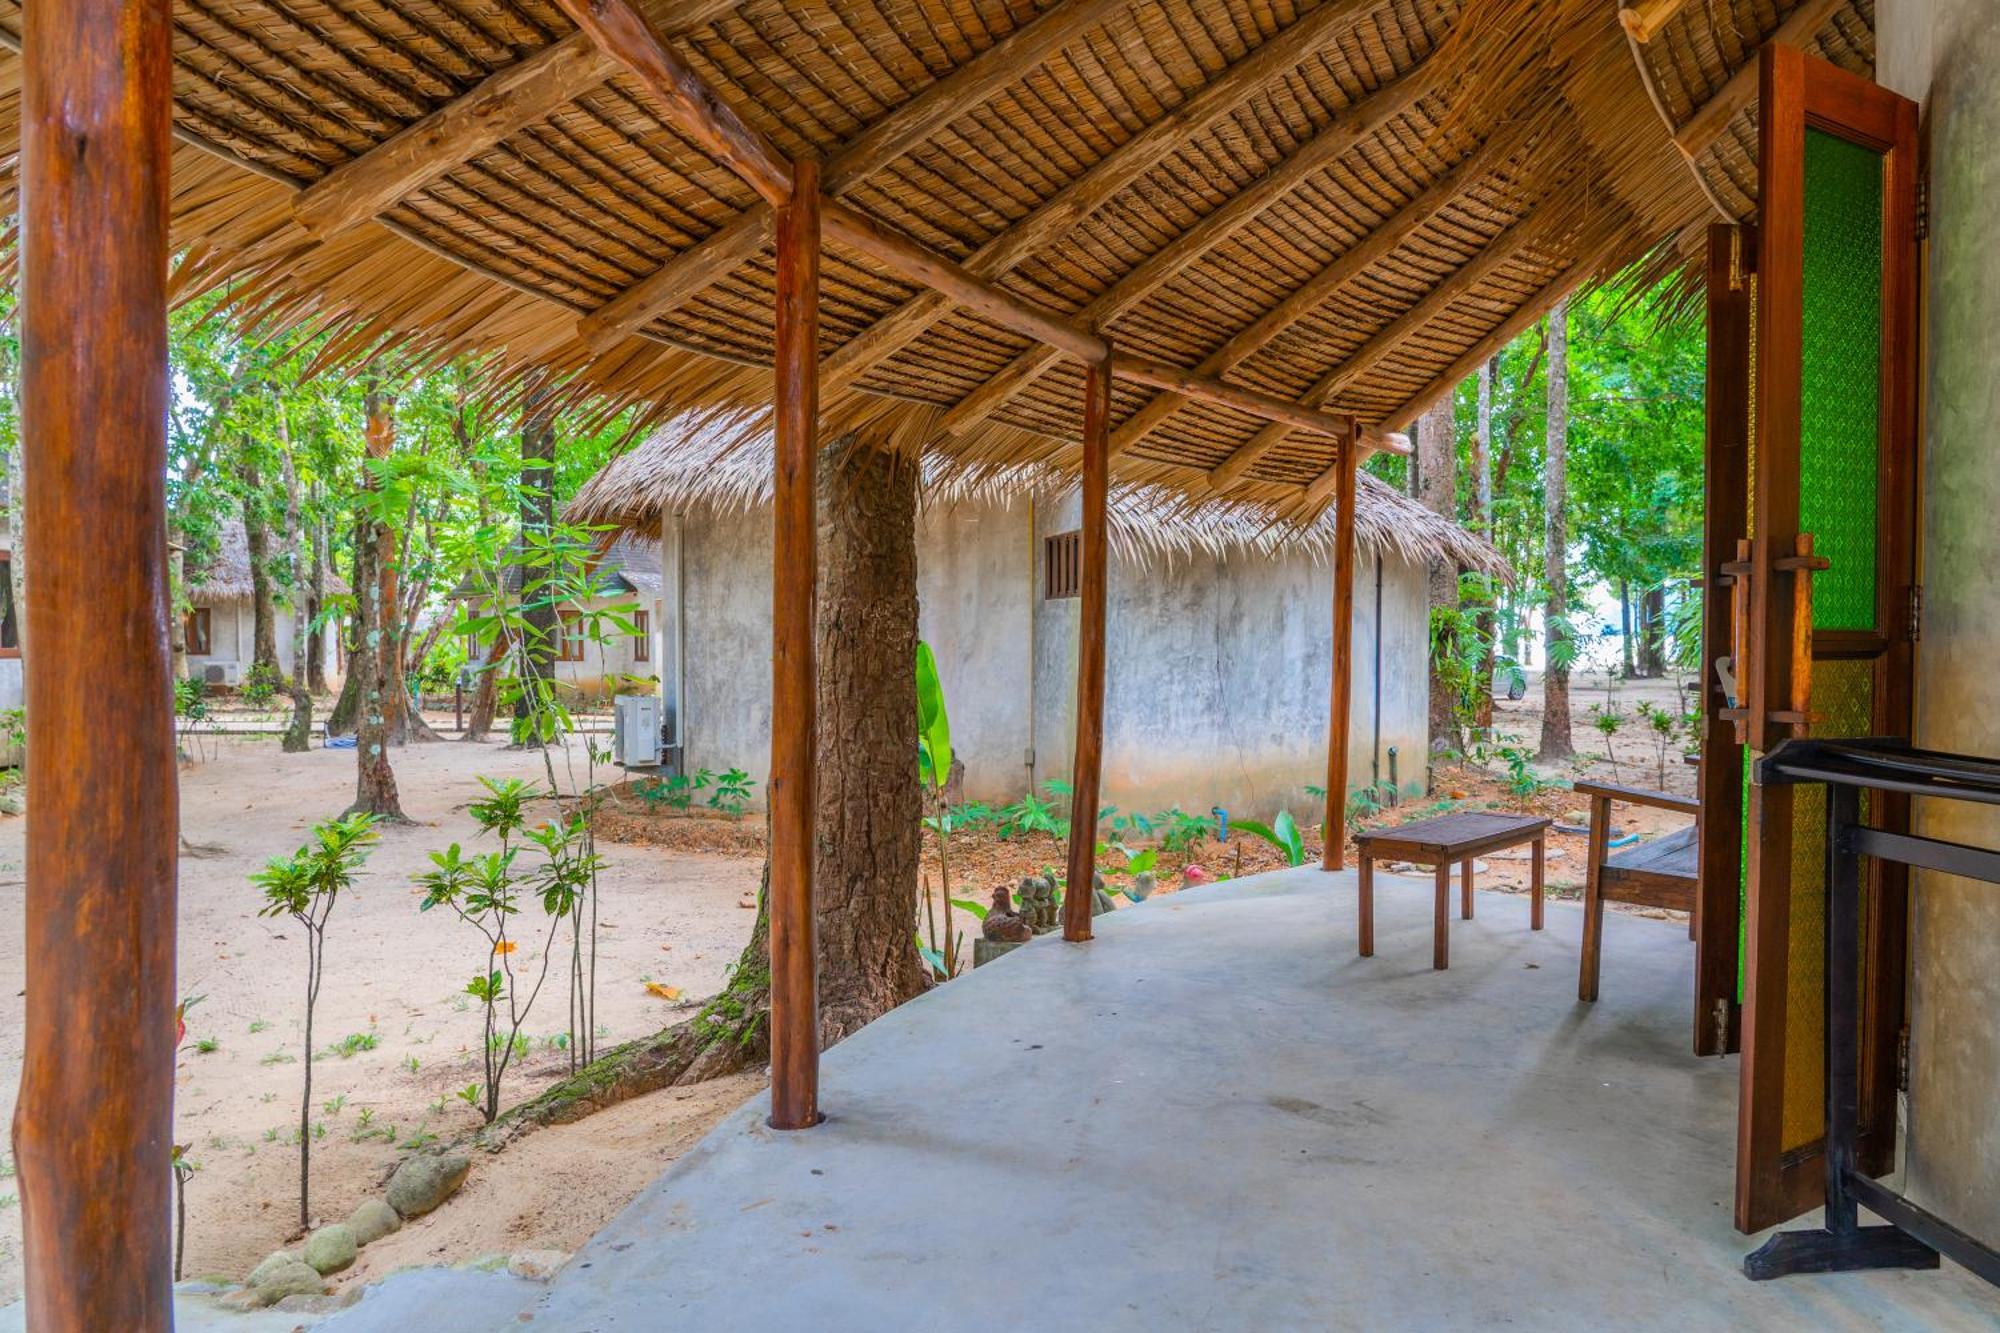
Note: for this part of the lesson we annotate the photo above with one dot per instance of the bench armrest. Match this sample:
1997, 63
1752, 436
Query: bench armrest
1639, 796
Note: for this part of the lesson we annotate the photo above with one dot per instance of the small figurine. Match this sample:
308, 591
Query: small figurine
1003, 924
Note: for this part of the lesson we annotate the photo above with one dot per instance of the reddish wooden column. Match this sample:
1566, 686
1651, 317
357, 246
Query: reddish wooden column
1334, 831
1086, 772
93, 1131
795, 569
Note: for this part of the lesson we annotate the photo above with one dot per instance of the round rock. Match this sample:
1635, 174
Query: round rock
272, 1262
331, 1248
293, 1279
422, 1183
372, 1220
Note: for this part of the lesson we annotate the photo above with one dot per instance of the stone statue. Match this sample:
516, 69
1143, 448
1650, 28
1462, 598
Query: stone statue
1003, 924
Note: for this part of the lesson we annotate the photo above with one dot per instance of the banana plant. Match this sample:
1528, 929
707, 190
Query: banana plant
934, 769
1282, 833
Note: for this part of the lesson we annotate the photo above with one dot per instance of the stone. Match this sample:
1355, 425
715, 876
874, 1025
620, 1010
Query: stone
293, 1279
331, 1248
1101, 902
1143, 885
271, 1263
422, 1183
333, 1304
371, 1220
985, 951
538, 1265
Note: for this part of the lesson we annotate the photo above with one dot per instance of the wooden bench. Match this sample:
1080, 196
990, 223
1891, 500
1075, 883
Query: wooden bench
1444, 842
1664, 872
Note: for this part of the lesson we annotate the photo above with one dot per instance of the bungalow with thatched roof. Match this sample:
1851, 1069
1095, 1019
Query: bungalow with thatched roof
1219, 644
219, 626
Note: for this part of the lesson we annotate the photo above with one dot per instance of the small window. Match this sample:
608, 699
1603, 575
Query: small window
569, 638
10, 627
199, 633
1062, 565
642, 647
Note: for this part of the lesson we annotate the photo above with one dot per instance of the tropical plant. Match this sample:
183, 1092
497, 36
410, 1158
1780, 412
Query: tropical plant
305, 886
934, 772
732, 792
1662, 724
1184, 832
1608, 718
1282, 833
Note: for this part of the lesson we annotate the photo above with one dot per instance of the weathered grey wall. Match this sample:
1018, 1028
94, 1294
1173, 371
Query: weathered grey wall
1947, 53
232, 634
1217, 672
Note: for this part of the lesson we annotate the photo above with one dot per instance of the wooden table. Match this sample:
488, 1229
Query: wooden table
1443, 842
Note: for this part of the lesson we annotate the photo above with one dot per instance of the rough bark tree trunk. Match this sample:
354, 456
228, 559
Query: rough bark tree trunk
1437, 491
1482, 471
377, 651
1627, 670
1557, 742
1652, 632
298, 733
536, 660
486, 692
315, 600
347, 708
401, 721
263, 602
867, 809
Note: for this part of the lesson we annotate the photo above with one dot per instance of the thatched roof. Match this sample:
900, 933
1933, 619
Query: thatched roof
1348, 203
680, 470
225, 576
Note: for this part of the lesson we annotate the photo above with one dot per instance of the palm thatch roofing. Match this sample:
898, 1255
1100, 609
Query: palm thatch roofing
225, 575
686, 468
1347, 203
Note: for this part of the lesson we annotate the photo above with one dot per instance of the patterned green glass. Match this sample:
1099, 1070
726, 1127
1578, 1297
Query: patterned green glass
1841, 355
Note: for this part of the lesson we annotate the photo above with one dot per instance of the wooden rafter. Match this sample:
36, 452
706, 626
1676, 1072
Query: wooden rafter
1360, 122
1383, 238
506, 102
1635, 46
1379, 345
1643, 19
1083, 196
909, 125
1705, 126
698, 112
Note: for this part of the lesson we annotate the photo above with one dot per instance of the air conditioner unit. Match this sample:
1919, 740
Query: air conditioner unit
222, 673
635, 730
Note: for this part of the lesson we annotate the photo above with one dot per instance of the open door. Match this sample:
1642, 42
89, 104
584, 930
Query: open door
1828, 592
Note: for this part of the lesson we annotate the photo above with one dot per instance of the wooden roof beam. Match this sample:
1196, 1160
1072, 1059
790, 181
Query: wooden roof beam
1360, 122
1282, 53
1643, 19
701, 265
504, 103
1380, 240
1705, 126
1370, 354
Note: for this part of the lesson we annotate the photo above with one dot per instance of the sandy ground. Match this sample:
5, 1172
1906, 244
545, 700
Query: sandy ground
394, 975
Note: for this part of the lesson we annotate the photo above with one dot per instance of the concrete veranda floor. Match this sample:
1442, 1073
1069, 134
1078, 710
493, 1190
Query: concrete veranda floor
1215, 1116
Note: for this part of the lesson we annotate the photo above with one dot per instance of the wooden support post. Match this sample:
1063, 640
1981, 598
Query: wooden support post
794, 572
1333, 833
1085, 773
93, 1129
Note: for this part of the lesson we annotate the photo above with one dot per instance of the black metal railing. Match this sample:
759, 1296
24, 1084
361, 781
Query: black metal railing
1913, 1237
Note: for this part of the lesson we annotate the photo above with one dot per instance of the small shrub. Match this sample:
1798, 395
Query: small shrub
260, 685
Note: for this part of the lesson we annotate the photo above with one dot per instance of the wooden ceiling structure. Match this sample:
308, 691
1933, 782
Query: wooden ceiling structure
1284, 214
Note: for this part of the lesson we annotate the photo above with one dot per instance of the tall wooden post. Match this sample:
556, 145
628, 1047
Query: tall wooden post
1086, 772
795, 570
1333, 835
94, 1128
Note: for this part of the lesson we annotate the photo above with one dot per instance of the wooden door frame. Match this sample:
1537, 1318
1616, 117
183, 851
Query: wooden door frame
1772, 1185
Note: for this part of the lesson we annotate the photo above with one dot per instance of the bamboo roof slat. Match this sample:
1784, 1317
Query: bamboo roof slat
1139, 181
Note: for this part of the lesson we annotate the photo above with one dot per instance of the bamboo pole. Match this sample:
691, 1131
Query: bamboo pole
1085, 773
794, 950
1333, 836
93, 1128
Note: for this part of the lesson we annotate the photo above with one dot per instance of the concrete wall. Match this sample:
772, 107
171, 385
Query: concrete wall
1947, 54
1217, 673
232, 635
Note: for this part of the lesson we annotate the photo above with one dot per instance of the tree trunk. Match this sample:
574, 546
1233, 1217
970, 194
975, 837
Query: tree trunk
867, 809
263, 604
376, 652
401, 722
298, 733
1556, 739
486, 692
347, 708
536, 660
1482, 471
1625, 629
315, 600
1437, 491
177, 592
1652, 632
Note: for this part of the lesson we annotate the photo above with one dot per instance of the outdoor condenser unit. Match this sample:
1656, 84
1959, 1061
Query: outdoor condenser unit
635, 730
222, 673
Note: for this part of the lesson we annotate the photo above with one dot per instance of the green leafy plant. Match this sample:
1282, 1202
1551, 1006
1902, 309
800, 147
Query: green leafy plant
1282, 833
305, 886
732, 792
1521, 779
1183, 831
261, 684
934, 772
1662, 724
1608, 718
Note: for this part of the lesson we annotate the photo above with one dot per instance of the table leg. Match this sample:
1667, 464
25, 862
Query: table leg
1465, 889
1535, 884
1364, 872
1441, 923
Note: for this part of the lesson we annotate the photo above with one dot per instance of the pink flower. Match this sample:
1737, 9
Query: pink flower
1194, 874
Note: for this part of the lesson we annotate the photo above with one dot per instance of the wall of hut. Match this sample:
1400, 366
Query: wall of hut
1947, 54
232, 639
1218, 666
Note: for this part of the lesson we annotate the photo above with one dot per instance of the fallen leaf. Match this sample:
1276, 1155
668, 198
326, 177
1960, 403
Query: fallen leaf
663, 992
